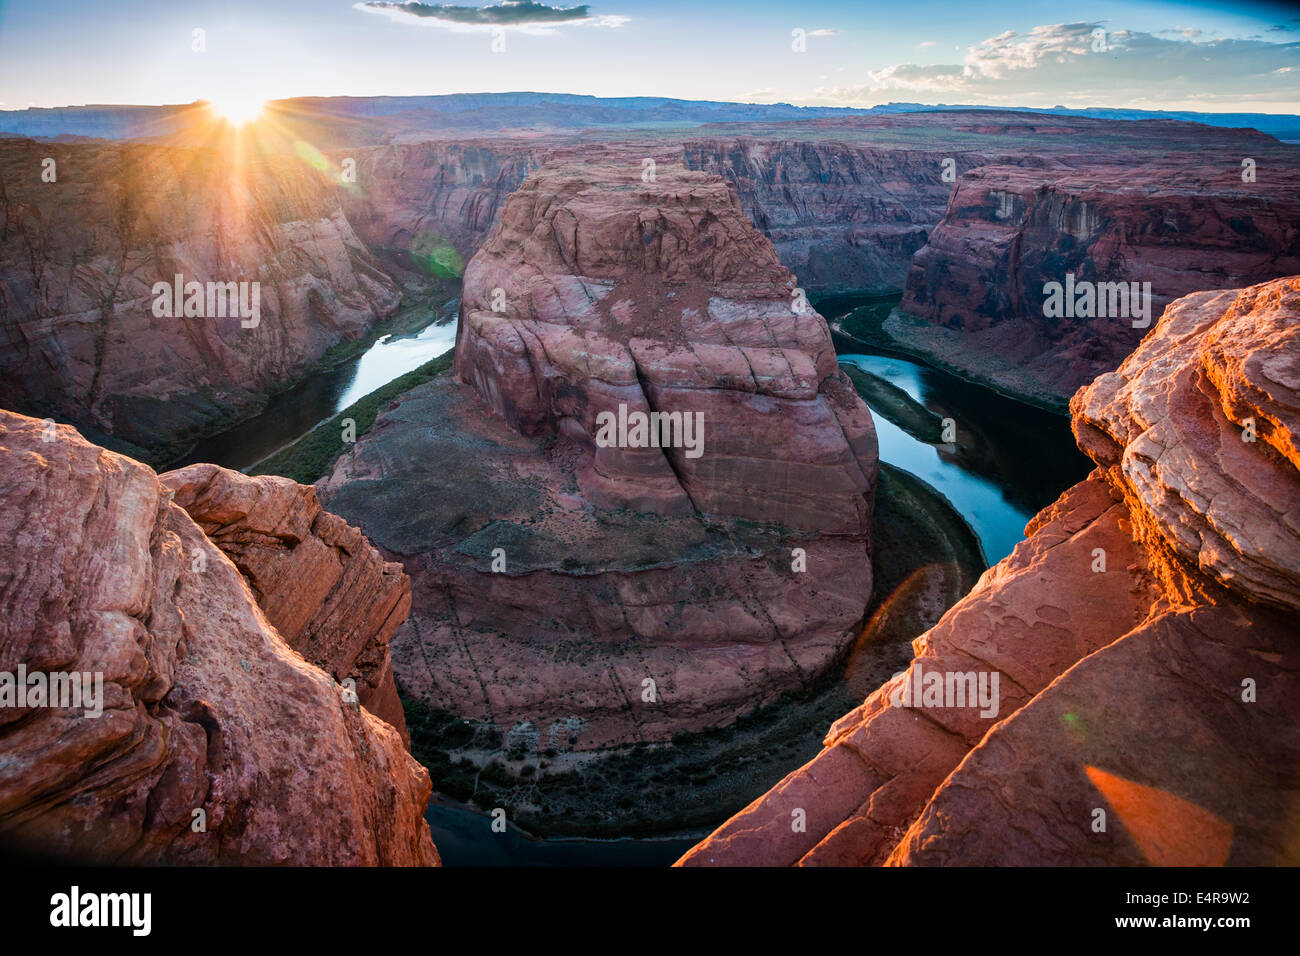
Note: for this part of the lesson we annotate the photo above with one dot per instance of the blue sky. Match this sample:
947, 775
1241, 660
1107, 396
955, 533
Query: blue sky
1158, 55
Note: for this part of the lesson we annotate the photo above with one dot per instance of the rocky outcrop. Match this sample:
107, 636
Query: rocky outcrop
589, 594
332, 597
1148, 672
1199, 432
217, 743
80, 256
1163, 230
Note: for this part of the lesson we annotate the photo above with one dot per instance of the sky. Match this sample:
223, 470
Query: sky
1205, 56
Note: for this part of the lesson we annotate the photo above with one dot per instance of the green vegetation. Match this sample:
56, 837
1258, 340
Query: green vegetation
312, 455
864, 321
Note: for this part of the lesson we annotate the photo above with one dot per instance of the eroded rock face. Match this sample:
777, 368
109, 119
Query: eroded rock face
1149, 670
332, 596
205, 707
1170, 424
423, 199
579, 595
79, 258
663, 298
978, 285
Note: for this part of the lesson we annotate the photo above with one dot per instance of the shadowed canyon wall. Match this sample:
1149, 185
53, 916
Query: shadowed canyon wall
79, 258
970, 212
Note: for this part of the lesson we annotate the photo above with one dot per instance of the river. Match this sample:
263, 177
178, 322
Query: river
292, 413
1006, 477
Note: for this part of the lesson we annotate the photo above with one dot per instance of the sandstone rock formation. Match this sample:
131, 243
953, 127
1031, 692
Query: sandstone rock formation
1158, 688
579, 596
79, 258
978, 284
332, 597
217, 742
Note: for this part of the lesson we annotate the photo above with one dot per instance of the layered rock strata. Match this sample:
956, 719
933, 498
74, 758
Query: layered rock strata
325, 589
1120, 241
216, 743
81, 338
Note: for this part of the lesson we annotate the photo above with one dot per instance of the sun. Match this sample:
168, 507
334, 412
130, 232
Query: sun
237, 108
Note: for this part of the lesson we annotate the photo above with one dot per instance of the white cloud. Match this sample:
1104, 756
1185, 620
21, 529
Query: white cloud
522, 16
1083, 64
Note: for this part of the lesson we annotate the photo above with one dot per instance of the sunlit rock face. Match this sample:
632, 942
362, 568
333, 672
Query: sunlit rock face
82, 336
329, 594
580, 593
1148, 668
217, 742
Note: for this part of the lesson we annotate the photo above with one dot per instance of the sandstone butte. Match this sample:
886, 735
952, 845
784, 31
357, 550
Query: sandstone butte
1163, 691
579, 597
207, 704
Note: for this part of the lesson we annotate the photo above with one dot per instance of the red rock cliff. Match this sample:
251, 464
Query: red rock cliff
331, 595
79, 258
205, 707
978, 284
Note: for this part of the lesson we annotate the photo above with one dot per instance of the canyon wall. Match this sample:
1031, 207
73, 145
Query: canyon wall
1170, 227
217, 742
79, 257
1142, 636
416, 202
845, 217
971, 211
579, 594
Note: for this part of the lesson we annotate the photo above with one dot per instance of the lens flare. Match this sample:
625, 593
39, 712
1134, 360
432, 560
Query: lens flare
237, 108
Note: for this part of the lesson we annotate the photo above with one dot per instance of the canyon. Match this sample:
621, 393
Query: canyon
967, 213
1142, 631
978, 290
492, 579
80, 255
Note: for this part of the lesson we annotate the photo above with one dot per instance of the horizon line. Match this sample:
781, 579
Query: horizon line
643, 96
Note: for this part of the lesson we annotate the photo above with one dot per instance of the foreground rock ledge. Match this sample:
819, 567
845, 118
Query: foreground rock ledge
1162, 692
329, 594
205, 705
